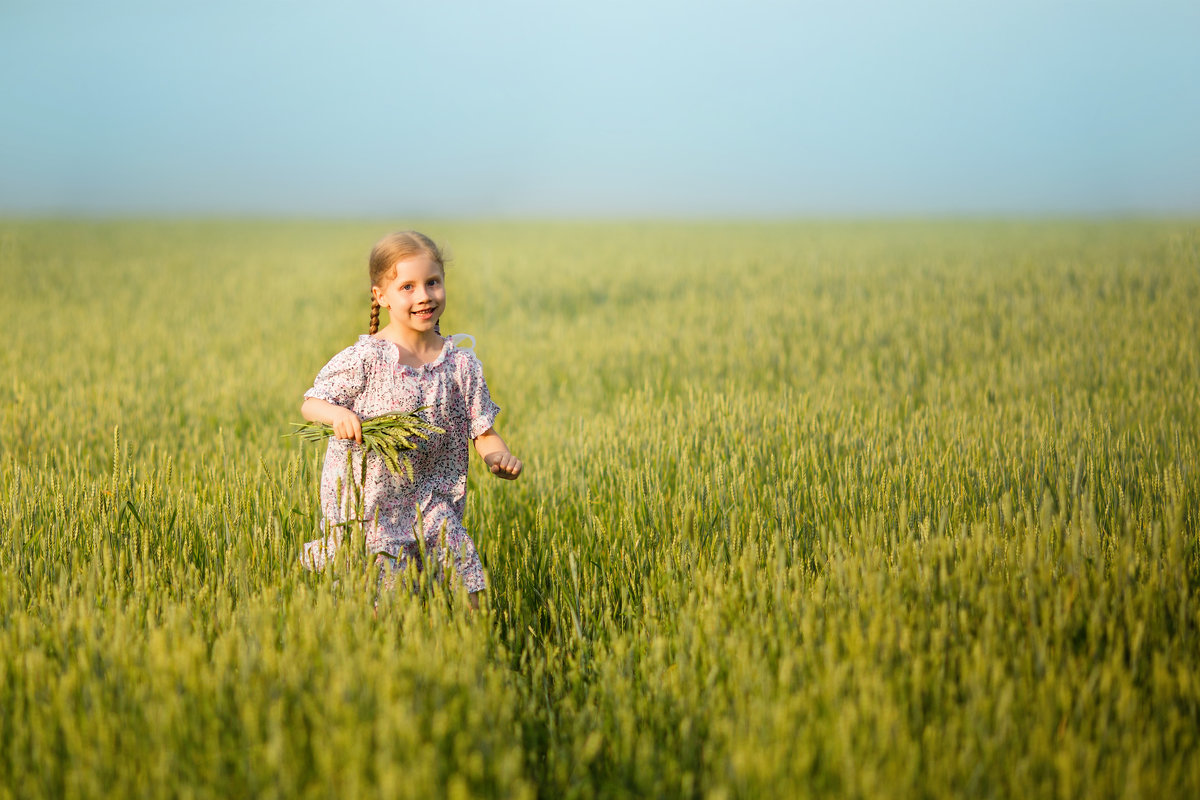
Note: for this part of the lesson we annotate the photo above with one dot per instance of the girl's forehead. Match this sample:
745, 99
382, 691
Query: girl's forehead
415, 266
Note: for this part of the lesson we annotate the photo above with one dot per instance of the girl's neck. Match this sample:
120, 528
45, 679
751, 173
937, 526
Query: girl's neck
416, 348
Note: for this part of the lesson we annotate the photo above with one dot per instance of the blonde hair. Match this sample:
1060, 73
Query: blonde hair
393, 248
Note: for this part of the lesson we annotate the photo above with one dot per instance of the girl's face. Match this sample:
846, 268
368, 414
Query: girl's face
414, 294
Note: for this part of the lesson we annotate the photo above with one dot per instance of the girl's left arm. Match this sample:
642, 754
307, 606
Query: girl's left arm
495, 453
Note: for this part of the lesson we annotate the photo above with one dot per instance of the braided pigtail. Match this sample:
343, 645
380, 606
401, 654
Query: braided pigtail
374, 316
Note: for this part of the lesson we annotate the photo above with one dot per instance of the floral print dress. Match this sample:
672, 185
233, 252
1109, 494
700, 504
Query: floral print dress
368, 379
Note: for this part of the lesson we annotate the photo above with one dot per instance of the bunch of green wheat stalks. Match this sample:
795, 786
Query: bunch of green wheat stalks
389, 435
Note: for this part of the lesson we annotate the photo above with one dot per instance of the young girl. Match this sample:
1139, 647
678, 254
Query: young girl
405, 366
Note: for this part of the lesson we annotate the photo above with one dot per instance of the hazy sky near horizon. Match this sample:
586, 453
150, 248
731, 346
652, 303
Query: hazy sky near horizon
621, 109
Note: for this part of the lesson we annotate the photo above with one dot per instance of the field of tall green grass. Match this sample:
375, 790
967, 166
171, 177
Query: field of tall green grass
842, 509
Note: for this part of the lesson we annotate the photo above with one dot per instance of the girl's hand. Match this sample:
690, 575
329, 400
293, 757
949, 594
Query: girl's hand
496, 455
346, 424
503, 464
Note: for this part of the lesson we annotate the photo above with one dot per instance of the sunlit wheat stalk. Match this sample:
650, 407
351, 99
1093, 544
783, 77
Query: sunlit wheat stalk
389, 435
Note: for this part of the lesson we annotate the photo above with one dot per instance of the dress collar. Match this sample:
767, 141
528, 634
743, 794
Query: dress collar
392, 354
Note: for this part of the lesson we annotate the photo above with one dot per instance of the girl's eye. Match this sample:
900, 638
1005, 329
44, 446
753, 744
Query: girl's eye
406, 287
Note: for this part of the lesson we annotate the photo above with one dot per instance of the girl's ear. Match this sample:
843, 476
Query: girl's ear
377, 296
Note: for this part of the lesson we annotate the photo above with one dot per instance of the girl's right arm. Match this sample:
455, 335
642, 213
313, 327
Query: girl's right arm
345, 423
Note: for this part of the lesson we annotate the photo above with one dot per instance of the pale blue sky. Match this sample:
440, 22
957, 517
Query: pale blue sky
616, 109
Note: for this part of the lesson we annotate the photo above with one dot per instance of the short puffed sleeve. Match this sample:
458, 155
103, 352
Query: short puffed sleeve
481, 411
341, 380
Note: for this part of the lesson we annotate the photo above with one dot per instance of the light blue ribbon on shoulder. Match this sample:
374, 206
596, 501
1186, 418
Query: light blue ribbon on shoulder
457, 340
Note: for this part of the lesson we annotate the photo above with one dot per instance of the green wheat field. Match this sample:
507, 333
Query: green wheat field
843, 509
